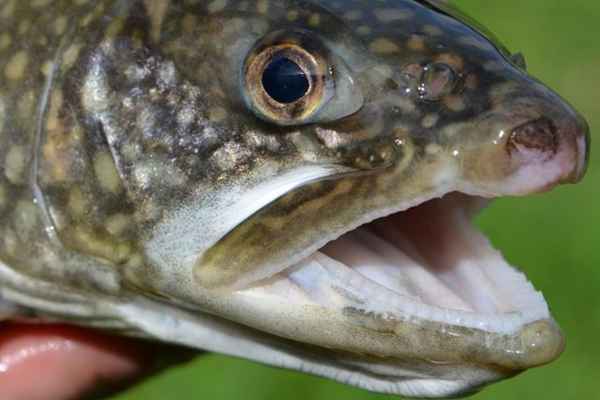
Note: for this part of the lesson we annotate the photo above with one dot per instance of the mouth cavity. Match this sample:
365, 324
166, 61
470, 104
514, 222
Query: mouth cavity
428, 263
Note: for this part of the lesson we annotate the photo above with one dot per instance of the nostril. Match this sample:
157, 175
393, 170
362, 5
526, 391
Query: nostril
537, 136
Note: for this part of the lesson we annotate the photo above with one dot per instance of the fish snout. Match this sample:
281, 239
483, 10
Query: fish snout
581, 132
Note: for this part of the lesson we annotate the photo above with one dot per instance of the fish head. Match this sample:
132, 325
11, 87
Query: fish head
311, 175
387, 107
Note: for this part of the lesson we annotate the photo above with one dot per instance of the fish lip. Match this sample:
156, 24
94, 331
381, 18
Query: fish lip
535, 344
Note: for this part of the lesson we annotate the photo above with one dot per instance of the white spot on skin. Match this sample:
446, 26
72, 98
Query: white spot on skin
70, 56
107, 173
332, 138
5, 41
230, 155
429, 121
448, 175
416, 43
217, 114
262, 6
235, 26
452, 130
14, 165
454, 103
60, 25
15, 68
56, 102
77, 202
216, 6
152, 172
384, 46
47, 68
146, 121
94, 91
258, 140
26, 104
25, 218
363, 30
167, 77
314, 20
432, 30
387, 15
186, 116
135, 73
117, 224
405, 104
433, 149
379, 74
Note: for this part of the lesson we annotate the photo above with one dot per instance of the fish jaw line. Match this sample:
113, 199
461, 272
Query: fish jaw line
423, 285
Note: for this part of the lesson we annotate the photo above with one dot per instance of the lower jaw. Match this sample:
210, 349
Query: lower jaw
429, 279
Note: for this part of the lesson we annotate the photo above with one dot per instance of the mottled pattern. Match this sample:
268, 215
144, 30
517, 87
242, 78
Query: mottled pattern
125, 108
132, 155
114, 113
36, 43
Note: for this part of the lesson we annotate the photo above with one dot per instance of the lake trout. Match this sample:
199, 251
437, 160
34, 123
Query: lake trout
287, 181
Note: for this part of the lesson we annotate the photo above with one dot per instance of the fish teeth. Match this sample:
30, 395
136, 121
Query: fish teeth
366, 271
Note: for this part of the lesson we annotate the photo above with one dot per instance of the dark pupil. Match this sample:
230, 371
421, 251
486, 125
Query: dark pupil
285, 81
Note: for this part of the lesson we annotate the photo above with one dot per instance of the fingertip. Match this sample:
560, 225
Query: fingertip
61, 362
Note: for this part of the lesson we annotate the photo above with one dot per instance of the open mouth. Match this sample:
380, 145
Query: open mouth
427, 263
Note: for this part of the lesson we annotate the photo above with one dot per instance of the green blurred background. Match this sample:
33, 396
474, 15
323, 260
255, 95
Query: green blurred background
554, 237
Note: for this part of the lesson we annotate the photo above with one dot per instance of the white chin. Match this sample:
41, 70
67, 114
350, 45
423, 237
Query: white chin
426, 263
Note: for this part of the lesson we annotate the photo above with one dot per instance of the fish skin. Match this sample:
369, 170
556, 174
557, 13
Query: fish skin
128, 139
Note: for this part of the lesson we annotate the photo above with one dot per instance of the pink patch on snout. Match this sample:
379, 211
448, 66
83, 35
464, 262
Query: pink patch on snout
542, 170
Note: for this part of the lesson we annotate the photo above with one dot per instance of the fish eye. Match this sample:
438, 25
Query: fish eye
294, 77
286, 84
285, 81
437, 81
